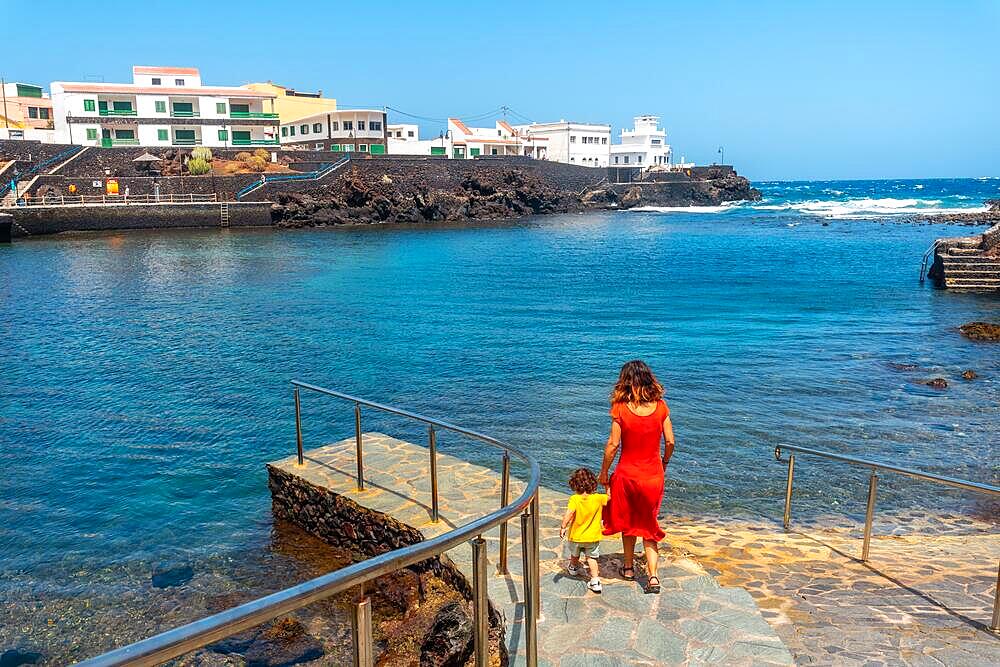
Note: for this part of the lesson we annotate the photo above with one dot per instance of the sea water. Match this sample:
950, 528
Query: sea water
145, 375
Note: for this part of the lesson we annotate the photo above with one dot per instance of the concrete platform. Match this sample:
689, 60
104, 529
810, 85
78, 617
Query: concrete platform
693, 621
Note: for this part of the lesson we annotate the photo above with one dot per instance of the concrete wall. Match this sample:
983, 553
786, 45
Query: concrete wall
53, 220
224, 187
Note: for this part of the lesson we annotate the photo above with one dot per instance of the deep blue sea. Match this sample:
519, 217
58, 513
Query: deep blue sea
145, 375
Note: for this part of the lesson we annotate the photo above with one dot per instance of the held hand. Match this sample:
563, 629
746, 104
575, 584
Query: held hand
603, 479
562, 532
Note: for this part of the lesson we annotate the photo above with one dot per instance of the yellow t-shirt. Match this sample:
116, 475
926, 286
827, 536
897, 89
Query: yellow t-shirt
586, 526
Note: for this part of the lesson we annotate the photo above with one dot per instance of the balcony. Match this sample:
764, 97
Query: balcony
181, 113
108, 143
118, 112
184, 142
252, 114
254, 142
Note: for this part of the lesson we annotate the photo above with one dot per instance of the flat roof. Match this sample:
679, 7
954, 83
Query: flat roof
145, 69
134, 89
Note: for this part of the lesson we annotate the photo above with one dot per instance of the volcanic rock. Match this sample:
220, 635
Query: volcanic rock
969, 375
175, 576
16, 657
937, 383
986, 332
449, 641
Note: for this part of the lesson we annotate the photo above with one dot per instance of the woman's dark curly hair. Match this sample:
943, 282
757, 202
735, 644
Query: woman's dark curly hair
583, 481
636, 384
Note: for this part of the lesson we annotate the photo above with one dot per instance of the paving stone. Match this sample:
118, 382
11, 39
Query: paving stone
658, 642
614, 636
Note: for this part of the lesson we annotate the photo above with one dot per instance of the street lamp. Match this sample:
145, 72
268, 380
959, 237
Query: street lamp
722, 152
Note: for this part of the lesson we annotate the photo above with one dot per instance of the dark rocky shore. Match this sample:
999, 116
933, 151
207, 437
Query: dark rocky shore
990, 216
486, 192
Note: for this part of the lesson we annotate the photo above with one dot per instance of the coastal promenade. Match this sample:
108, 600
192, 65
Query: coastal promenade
693, 621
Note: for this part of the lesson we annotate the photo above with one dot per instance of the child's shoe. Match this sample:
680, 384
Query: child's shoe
574, 570
595, 586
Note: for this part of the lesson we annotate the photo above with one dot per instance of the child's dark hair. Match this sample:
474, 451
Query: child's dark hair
582, 481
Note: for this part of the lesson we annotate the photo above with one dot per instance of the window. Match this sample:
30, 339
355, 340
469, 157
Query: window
335, 148
616, 159
156, 81
121, 106
348, 148
639, 159
348, 125
220, 108
284, 131
440, 150
91, 134
409, 133
363, 148
303, 129
655, 142
88, 105
223, 135
161, 106
178, 82
124, 134
375, 125
474, 152
32, 112
319, 147
572, 139
493, 151
43, 113
376, 149
361, 124
572, 159
626, 159
238, 108
291, 130
317, 127
334, 126
604, 140
162, 135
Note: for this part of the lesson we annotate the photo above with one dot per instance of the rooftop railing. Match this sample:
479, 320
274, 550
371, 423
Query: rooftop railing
875, 467
117, 112
179, 641
252, 114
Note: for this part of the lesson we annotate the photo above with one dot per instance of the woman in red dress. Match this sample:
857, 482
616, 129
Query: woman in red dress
640, 420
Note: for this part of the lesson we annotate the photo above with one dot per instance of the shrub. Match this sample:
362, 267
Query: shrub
231, 168
202, 153
244, 157
198, 166
264, 155
257, 164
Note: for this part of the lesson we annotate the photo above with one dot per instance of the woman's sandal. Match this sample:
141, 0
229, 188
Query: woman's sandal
627, 577
651, 587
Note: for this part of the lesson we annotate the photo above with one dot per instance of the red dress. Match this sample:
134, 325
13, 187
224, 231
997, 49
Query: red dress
637, 481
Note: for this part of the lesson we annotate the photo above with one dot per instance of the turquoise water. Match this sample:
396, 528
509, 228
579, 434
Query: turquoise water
145, 375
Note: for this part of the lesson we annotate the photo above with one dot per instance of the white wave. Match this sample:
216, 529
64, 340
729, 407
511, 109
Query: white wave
687, 209
860, 208
918, 186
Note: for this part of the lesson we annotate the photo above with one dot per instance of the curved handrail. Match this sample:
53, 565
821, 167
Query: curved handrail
923, 262
176, 642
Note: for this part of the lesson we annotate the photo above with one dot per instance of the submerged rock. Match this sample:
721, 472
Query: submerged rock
937, 383
174, 576
449, 641
281, 643
969, 375
15, 657
986, 332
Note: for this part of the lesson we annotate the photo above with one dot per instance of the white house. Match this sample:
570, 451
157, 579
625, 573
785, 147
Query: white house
347, 130
643, 146
586, 144
409, 132
163, 106
502, 139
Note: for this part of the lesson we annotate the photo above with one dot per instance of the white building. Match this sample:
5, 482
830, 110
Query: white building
163, 106
587, 144
643, 146
347, 131
502, 139
403, 132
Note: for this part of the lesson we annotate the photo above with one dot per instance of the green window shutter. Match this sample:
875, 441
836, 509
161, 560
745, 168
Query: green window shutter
335, 148
32, 112
91, 133
121, 106
25, 90
438, 150
161, 106
239, 108
284, 131
473, 152
162, 135
124, 134
43, 113
88, 105
291, 131
223, 135
241, 137
376, 149
220, 107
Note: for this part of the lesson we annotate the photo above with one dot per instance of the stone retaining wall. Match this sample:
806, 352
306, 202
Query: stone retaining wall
55, 219
991, 237
225, 187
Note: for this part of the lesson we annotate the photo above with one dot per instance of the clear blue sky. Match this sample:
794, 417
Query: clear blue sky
796, 90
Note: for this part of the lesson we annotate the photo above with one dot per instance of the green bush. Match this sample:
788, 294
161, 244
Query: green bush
257, 164
202, 153
198, 166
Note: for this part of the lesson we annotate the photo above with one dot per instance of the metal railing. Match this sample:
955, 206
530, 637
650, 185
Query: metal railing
923, 262
179, 641
304, 176
116, 200
41, 166
117, 112
252, 114
876, 466
255, 142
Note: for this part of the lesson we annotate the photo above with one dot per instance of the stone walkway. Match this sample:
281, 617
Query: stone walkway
693, 621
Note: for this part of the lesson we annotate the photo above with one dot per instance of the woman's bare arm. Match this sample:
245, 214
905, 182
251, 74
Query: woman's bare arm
668, 440
610, 450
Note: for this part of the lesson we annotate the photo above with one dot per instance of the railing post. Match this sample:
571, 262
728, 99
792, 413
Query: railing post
995, 624
869, 514
536, 515
357, 446
481, 612
788, 491
529, 616
504, 500
298, 425
364, 653
432, 441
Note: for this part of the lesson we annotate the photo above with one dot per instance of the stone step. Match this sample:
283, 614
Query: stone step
963, 250
972, 283
972, 273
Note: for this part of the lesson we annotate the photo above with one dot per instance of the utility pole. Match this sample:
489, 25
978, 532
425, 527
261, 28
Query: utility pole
6, 121
722, 151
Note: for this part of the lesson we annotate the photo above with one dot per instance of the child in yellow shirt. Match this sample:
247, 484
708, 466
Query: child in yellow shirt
582, 524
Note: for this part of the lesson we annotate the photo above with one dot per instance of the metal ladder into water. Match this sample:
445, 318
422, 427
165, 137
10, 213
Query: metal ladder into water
224, 214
